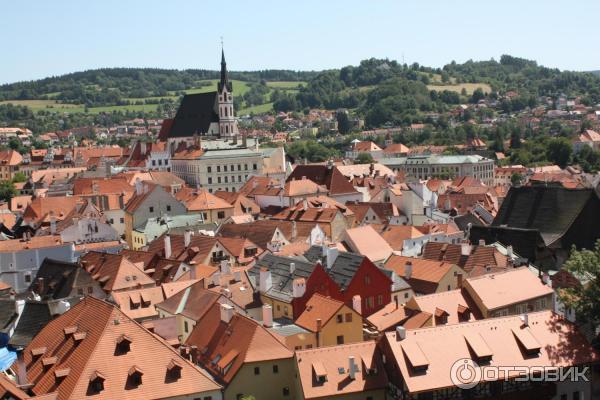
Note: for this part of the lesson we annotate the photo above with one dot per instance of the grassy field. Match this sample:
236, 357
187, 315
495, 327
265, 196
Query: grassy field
239, 89
469, 87
261, 108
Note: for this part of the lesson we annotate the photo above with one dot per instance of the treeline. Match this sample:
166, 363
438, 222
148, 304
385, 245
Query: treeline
385, 91
110, 86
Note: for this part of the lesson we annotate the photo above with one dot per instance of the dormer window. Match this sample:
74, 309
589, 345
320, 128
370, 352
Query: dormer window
174, 369
96, 384
123, 345
135, 377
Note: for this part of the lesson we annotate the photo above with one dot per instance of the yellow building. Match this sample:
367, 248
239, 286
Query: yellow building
332, 321
9, 164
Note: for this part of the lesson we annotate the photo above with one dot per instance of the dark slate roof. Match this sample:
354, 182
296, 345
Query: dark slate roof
7, 314
524, 241
344, 267
463, 221
280, 274
59, 279
195, 114
552, 211
33, 319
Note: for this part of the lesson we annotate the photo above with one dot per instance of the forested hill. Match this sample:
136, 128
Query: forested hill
116, 83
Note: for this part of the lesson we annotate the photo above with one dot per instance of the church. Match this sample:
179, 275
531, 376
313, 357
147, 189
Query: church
205, 114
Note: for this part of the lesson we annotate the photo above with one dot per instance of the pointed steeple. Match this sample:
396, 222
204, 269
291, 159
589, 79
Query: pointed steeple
224, 79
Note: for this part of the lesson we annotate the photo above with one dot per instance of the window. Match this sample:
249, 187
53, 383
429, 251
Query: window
449, 288
168, 208
209, 169
275, 369
221, 214
245, 167
151, 209
576, 395
210, 181
370, 302
111, 221
153, 163
563, 397
226, 179
254, 167
218, 179
80, 291
256, 370
185, 326
339, 318
90, 290
27, 278
367, 280
340, 339
121, 220
348, 317
286, 391
379, 299
406, 295
239, 167
225, 168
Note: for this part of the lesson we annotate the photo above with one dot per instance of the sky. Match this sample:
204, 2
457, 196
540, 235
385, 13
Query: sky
46, 38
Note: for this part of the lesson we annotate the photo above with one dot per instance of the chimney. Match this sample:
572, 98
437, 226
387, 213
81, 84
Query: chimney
226, 313
525, 319
225, 267
357, 303
52, 223
304, 205
216, 278
509, 251
408, 270
319, 324
332, 253
459, 280
143, 147
400, 333
298, 287
138, 186
187, 238
237, 275
294, 231
481, 242
352, 368
267, 314
40, 286
292, 268
19, 306
465, 248
265, 280
194, 354
167, 246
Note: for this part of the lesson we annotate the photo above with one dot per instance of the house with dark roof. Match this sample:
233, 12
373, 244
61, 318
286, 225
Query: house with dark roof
57, 280
561, 217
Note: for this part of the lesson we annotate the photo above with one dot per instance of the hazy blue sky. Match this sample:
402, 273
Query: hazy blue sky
43, 38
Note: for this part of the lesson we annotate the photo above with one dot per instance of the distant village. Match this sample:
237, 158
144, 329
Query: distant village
201, 263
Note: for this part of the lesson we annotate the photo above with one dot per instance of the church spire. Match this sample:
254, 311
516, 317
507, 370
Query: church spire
224, 78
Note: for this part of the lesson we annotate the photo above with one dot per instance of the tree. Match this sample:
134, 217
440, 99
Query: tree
364, 158
19, 177
516, 179
343, 121
559, 151
585, 299
7, 190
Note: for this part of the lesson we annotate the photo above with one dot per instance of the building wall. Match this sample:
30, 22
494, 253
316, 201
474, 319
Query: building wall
301, 341
350, 331
280, 308
84, 231
373, 286
537, 304
267, 385
116, 219
18, 269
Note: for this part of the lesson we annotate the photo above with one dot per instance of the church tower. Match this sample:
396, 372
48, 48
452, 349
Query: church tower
227, 122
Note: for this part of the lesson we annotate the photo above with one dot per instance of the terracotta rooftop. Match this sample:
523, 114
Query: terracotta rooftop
318, 307
328, 176
395, 235
508, 287
36, 242
200, 200
366, 241
226, 346
480, 259
95, 348
457, 305
114, 271
260, 232
394, 314
324, 372
434, 350
426, 274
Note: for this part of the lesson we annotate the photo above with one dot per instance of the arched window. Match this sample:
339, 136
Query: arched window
226, 128
226, 111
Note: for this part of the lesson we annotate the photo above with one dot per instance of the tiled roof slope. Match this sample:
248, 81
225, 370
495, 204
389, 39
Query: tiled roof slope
84, 342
